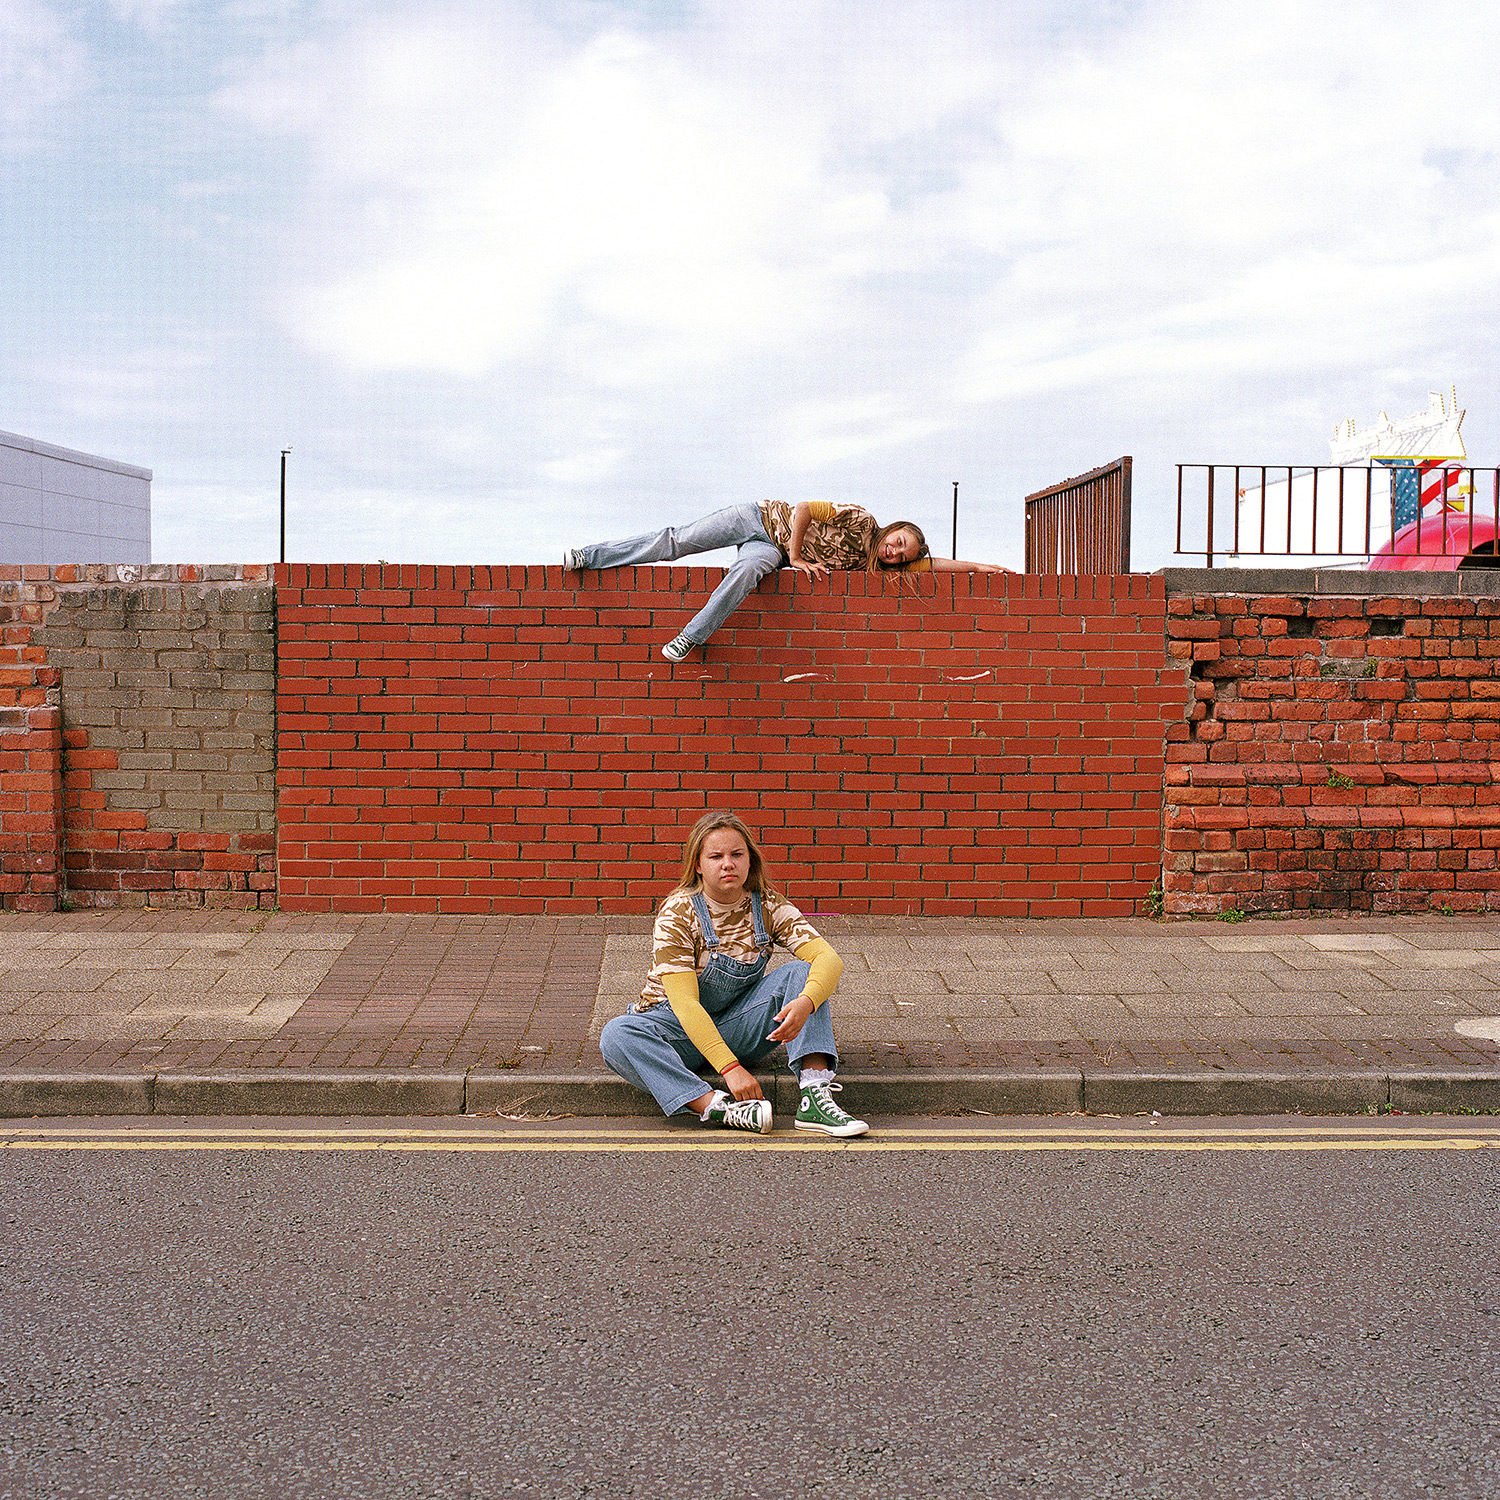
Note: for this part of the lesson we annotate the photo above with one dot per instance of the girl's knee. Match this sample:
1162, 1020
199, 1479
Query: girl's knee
614, 1040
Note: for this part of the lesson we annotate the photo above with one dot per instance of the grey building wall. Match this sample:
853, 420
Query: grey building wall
58, 506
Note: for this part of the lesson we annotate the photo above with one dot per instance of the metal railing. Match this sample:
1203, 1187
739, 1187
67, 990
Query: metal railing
1081, 525
1338, 510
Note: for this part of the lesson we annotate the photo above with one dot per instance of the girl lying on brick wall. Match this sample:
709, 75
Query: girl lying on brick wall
708, 998
812, 536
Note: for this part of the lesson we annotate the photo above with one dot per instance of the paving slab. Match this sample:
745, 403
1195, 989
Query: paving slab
274, 1012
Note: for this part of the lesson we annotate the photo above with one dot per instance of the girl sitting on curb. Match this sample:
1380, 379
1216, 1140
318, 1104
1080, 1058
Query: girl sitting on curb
708, 998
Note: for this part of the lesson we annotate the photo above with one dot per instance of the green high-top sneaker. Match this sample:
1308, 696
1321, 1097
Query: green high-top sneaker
817, 1111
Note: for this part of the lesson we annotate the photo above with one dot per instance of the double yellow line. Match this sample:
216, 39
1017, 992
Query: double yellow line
658, 1139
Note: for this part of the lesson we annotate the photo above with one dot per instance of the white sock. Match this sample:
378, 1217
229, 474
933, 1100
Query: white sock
720, 1097
815, 1075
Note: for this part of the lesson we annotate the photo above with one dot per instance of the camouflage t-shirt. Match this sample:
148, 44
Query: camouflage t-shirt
838, 535
678, 947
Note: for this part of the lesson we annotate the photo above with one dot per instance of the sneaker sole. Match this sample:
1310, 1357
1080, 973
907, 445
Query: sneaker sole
856, 1127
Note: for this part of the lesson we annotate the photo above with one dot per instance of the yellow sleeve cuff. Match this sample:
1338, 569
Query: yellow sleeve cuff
827, 966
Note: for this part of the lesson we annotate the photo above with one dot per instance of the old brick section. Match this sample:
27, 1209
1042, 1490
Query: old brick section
30, 755
1337, 753
167, 722
510, 740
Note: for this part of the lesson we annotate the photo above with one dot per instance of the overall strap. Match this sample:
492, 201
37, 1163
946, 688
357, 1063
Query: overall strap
762, 938
705, 922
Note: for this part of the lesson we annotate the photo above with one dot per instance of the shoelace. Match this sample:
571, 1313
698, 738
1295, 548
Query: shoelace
742, 1112
825, 1092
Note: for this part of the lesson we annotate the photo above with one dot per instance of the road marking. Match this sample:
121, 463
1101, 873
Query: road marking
558, 1129
798, 1147
635, 1142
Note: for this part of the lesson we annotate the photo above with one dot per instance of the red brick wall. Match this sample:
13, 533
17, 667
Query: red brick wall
30, 756
1340, 753
511, 740
30, 807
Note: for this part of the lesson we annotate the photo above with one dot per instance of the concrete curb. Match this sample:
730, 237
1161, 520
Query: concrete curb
408, 1091
501, 1092
298, 1091
26, 1094
1239, 1093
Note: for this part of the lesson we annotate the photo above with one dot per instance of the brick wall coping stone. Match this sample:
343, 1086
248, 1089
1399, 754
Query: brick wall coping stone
125, 574
1417, 583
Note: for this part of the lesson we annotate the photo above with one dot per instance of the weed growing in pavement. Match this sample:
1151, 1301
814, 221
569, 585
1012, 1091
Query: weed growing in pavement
1234, 914
1154, 900
1446, 910
1339, 782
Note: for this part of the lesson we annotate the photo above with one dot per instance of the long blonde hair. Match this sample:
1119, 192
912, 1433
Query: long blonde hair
691, 878
873, 563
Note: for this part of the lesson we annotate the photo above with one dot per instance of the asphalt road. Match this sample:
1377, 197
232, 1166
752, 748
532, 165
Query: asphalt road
482, 1308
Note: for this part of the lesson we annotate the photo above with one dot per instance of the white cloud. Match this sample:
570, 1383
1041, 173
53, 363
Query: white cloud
823, 432
1243, 193
617, 193
588, 467
150, 14
42, 66
644, 201
144, 385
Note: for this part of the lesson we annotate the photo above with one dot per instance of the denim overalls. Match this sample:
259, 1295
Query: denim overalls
650, 1049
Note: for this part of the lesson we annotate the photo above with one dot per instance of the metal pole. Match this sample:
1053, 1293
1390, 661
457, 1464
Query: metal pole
284, 453
955, 520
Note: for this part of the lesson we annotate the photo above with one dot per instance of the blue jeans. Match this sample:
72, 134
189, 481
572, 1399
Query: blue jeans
651, 1050
737, 526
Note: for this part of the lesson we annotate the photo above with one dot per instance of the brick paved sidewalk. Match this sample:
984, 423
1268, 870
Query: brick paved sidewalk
157, 991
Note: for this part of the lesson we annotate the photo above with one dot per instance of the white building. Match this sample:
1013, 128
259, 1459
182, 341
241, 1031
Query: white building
58, 506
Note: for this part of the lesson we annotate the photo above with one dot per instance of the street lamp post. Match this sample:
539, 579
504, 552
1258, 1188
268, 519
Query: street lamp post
955, 520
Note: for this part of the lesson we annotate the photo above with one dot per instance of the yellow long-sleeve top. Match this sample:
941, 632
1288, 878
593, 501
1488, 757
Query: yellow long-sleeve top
679, 952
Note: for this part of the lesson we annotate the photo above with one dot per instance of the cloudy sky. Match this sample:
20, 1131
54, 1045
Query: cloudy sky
510, 275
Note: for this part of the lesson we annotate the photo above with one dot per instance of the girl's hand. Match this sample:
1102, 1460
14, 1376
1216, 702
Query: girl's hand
812, 569
741, 1082
791, 1018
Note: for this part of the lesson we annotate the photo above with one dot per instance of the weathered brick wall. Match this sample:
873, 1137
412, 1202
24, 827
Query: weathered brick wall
30, 756
510, 739
1339, 747
168, 730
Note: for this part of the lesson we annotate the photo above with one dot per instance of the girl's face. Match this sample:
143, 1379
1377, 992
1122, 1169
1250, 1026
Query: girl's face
724, 865
898, 547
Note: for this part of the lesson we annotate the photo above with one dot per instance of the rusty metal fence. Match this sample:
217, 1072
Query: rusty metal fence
1231, 511
1081, 525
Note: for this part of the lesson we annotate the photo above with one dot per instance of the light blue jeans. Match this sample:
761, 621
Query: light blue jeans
651, 1050
736, 526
